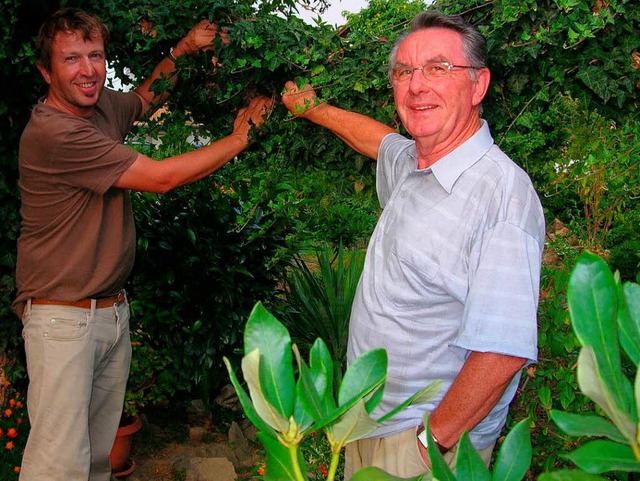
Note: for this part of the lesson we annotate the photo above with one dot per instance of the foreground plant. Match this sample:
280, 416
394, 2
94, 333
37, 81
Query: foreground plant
605, 315
286, 404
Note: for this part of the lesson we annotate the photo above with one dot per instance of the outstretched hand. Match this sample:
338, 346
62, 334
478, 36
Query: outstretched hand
254, 114
200, 38
299, 101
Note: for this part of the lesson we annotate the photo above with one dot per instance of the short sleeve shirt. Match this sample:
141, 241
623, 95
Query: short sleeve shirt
453, 266
77, 235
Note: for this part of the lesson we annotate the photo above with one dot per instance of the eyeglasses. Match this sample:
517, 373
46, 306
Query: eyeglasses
430, 70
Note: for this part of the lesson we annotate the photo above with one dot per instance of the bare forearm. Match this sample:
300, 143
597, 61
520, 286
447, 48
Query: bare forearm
165, 69
147, 175
361, 133
474, 393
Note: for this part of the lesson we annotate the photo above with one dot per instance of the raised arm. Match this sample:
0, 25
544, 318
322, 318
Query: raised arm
361, 133
148, 175
199, 38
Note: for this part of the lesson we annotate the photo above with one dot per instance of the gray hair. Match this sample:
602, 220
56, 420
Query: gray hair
474, 45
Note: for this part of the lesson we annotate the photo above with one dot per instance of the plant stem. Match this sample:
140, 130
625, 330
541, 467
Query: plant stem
295, 463
636, 450
333, 467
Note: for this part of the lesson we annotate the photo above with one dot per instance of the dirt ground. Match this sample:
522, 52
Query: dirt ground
162, 449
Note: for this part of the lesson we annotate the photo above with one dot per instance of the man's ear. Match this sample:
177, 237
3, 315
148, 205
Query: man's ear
483, 78
44, 72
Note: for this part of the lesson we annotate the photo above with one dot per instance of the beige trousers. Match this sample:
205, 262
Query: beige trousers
78, 364
396, 454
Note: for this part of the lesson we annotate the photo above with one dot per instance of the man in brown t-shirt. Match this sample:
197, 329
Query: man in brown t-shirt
77, 239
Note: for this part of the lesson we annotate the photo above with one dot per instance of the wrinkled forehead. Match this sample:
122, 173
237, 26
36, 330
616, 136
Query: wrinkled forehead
433, 44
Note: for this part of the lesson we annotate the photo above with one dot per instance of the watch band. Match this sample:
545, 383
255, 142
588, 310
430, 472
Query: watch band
172, 57
422, 437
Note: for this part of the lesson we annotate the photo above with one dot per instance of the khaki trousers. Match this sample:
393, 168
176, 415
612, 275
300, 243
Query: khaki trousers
78, 364
396, 454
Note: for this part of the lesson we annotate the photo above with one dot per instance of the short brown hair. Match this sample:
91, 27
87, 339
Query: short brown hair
67, 20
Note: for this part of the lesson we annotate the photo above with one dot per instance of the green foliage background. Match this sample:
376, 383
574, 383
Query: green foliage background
563, 103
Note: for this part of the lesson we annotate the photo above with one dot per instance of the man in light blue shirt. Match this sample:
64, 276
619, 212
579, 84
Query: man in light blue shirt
451, 278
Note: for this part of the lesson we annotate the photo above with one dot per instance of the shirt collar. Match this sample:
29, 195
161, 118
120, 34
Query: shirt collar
449, 168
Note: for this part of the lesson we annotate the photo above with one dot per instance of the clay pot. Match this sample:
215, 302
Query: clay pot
121, 463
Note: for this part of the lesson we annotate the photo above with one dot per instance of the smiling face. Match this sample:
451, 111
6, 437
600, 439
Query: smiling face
77, 74
440, 114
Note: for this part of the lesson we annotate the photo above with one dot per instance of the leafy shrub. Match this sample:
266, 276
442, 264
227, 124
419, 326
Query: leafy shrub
197, 272
317, 301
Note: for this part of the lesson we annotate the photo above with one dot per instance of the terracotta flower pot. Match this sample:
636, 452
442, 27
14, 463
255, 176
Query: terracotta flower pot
120, 461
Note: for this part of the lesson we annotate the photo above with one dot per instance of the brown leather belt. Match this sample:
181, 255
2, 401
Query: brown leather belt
101, 302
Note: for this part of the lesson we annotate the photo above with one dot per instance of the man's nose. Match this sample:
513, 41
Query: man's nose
86, 66
418, 81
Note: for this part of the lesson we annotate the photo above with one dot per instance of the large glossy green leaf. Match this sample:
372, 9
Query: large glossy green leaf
363, 375
265, 333
268, 413
320, 362
514, 456
377, 474
247, 405
469, 464
439, 467
308, 388
593, 304
423, 396
352, 425
567, 475
302, 414
586, 425
599, 457
374, 399
279, 466
591, 384
629, 321
637, 394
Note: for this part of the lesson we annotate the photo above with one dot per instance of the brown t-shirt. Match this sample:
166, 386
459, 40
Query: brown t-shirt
77, 237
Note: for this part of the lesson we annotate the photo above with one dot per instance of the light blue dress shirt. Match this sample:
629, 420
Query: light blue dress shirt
453, 266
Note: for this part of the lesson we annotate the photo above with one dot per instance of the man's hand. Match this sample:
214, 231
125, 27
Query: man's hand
299, 101
199, 38
254, 114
